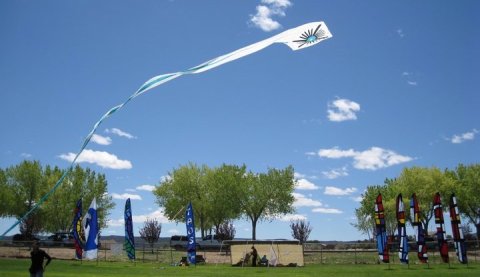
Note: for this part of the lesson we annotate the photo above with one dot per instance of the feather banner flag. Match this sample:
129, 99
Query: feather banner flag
90, 227
296, 38
129, 238
191, 244
381, 230
402, 231
439, 221
77, 229
415, 216
458, 238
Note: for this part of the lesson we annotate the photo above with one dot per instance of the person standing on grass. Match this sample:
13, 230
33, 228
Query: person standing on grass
38, 256
254, 256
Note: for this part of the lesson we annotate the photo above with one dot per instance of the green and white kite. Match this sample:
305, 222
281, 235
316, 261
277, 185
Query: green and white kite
296, 38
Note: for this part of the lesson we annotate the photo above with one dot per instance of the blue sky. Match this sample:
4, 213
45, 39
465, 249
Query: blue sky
396, 86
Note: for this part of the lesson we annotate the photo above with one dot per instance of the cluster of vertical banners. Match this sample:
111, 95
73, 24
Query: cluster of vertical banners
381, 229
129, 237
416, 220
85, 231
191, 244
402, 231
458, 238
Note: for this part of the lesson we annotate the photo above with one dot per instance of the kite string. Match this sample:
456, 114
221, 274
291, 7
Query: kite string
156, 81
150, 84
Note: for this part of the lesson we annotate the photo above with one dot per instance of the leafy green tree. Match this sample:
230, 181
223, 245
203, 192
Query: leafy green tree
24, 182
467, 190
183, 185
224, 184
424, 182
366, 212
5, 195
79, 183
22, 186
267, 195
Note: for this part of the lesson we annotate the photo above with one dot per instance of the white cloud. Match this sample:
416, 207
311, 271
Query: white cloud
335, 153
146, 187
302, 201
173, 231
120, 133
357, 198
371, 159
265, 12
375, 158
115, 222
26, 155
299, 175
157, 214
292, 217
463, 137
335, 173
339, 191
125, 196
400, 33
342, 109
100, 158
101, 140
327, 211
304, 184
410, 77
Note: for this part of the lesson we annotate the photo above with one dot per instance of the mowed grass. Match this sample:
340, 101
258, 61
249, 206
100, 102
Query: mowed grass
62, 268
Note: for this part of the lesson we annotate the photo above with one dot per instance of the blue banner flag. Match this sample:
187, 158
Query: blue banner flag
77, 229
129, 238
191, 245
90, 227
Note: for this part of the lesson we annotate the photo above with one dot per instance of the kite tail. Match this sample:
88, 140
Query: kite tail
296, 38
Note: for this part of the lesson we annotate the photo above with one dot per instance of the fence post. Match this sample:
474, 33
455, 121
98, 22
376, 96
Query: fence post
355, 251
143, 256
321, 253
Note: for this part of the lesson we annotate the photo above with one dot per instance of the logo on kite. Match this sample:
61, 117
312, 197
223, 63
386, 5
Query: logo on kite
311, 36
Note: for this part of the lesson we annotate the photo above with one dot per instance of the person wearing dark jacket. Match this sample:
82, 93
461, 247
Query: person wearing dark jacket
38, 257
254, 256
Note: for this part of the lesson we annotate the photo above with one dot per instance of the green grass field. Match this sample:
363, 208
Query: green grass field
61, 268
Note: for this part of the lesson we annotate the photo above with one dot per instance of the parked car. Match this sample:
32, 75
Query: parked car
21, 239
210, 242
60, 239
179, 242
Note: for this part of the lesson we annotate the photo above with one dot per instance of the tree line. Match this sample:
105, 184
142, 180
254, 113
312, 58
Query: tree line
222, 194
23, 185
464, 181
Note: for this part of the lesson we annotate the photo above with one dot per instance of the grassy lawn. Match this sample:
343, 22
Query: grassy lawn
61, 268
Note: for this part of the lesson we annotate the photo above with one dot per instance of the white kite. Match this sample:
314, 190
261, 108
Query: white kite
296, 38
